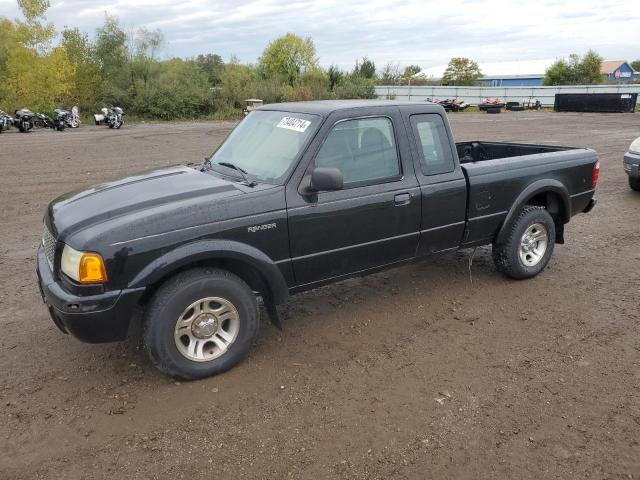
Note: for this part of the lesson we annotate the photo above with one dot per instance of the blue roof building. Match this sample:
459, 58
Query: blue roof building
618, 71
512, 80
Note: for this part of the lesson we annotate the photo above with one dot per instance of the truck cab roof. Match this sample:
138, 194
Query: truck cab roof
326, 107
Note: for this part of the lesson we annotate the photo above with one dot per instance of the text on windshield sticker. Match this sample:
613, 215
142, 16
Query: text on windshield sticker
296, 124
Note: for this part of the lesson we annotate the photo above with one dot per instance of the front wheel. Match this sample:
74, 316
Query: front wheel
527, 248
634, 183
200, 323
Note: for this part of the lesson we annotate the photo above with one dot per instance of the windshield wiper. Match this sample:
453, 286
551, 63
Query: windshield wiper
242, 172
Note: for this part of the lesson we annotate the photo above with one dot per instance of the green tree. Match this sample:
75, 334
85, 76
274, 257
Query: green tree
112, 55
34, 33
146, 44
177, 89
411, 70
461, 71
335, 76
85, 83
356, 87
213, 66
235, 85
288, 56
575, 71
635, 65
390, 74
589, 68
365, 69
559, 73
8, 42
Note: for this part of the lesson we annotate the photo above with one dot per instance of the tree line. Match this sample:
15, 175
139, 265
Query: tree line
42, 68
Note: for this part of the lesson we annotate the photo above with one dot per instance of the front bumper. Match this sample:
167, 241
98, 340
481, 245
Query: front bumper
95, 318
632, 164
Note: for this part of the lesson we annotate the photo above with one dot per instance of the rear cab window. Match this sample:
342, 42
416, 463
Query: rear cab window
434, 149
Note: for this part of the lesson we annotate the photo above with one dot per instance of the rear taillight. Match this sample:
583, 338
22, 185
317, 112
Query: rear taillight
596, 174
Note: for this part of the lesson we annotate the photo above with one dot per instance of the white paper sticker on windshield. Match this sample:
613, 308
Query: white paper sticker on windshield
296, 124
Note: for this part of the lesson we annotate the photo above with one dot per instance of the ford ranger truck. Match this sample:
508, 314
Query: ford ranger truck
299, 195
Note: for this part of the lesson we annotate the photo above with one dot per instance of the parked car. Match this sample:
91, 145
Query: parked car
299, 195
632, 164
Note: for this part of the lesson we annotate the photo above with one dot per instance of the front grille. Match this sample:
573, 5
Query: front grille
49, 245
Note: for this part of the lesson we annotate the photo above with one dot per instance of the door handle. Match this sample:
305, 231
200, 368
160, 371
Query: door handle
402, 199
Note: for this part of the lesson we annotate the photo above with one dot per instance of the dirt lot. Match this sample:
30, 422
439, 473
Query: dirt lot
417, 372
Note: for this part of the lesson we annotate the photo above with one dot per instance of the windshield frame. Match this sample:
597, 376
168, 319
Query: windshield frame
283, 178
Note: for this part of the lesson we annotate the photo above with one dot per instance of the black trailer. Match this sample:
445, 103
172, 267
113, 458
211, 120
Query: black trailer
595, 102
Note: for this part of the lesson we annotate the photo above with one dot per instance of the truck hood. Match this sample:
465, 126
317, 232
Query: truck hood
148, 190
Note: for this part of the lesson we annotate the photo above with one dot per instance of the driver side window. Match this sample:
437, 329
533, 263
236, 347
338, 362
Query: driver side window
363, 149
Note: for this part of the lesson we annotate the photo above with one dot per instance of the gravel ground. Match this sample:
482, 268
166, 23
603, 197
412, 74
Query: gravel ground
424, 371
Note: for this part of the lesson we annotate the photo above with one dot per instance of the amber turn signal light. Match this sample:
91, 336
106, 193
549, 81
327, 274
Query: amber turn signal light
92, 269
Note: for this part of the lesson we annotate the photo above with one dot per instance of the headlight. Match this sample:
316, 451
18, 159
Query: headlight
83, 267
635, 146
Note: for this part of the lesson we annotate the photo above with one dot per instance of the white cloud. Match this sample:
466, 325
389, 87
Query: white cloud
428, 33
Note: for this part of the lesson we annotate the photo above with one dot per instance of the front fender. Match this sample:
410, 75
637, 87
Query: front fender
208, 250
537, 187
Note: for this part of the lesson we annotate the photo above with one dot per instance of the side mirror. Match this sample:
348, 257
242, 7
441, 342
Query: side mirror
326, 179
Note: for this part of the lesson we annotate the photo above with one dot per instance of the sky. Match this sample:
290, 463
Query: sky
504, 37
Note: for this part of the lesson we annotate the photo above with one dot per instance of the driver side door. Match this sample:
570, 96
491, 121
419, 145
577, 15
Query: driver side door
374, 220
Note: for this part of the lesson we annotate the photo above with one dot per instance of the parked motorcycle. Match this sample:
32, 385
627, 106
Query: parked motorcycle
25, 119
111, 116
71, 117
5, 121
44, 121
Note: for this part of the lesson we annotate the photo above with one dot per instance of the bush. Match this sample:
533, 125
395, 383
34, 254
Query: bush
355, 87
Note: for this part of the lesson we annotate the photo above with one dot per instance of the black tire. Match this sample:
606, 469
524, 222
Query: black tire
634, 183
171, 300
506, 254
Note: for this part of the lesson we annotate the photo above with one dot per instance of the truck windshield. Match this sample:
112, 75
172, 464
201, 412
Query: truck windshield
266, 143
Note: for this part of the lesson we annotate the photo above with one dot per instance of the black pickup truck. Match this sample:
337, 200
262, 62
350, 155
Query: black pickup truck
299, 195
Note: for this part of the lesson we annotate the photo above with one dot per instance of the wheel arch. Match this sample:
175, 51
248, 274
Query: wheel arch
550, 194
247, 262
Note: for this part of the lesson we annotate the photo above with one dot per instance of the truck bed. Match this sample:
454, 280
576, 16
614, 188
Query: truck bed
498, 173
477, 151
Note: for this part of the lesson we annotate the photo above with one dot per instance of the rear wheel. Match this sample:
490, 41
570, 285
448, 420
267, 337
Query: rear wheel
634, 183
200, 323
527, 248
